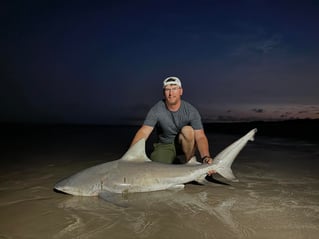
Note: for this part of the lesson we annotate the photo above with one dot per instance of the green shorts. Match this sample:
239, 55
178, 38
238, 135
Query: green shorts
166, 153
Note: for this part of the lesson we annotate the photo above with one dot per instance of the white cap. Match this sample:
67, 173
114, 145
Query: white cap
172, 80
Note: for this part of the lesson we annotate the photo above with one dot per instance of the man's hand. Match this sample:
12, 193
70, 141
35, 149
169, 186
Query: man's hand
209, 160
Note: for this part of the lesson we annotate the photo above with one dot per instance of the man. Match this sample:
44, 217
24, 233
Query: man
179, 127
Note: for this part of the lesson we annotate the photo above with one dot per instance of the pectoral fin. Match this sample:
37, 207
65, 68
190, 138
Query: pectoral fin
118, 199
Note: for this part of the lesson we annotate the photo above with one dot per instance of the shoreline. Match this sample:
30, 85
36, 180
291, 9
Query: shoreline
307, 129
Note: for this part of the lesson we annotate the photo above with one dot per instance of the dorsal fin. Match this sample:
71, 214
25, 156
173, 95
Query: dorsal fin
136, 153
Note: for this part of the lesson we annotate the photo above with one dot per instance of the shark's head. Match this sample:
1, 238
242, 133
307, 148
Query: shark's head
77, 187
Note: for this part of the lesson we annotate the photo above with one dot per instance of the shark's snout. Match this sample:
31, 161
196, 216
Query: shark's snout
66, 189
60, 187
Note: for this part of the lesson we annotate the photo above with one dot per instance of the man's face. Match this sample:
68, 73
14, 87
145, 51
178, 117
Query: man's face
173, 94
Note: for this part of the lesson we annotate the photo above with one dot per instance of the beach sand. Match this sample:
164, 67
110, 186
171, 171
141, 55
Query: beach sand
277, 196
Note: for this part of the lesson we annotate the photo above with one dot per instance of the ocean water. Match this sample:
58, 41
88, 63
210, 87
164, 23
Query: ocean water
277, 195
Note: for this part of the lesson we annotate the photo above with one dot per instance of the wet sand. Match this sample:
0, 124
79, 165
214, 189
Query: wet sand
277, 196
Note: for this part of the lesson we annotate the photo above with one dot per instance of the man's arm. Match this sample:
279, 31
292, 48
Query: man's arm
202, 145
143, 132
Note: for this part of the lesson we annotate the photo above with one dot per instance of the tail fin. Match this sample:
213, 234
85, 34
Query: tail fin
224, 159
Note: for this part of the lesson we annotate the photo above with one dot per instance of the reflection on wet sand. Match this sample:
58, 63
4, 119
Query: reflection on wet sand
141, 212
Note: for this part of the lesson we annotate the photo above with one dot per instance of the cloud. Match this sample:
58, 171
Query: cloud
267, 45
303, 112
226, 118
258, 110
257, 45
250, 39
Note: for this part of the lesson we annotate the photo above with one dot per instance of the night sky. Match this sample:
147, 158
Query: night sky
102, 62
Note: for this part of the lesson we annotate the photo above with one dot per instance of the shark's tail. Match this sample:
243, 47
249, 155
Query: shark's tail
224, 159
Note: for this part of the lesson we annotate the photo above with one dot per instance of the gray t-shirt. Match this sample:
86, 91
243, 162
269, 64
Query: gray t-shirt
169, 123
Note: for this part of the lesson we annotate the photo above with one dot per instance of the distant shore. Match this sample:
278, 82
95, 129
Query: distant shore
301, 128
307, 129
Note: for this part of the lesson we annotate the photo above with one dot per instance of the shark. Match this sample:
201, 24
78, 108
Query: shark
134, 172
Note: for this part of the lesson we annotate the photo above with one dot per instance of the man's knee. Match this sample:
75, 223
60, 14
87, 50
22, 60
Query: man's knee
187, 141
187, 132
